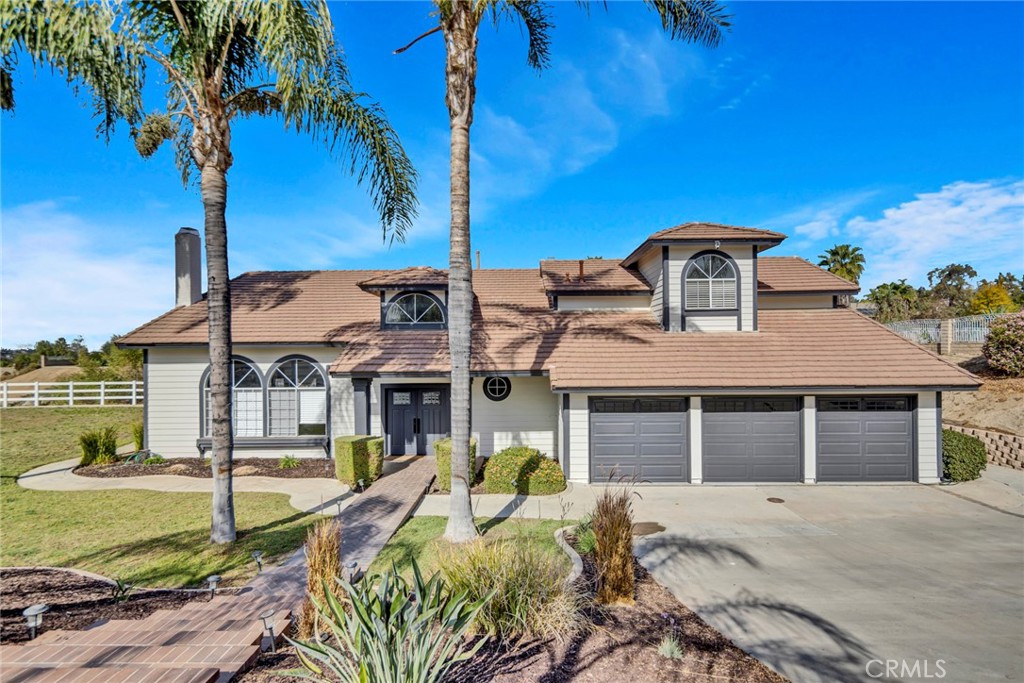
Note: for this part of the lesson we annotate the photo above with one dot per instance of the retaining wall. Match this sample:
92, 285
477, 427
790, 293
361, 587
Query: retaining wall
1003, 449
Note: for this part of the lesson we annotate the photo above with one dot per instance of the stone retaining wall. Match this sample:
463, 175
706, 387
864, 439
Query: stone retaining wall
1003, 449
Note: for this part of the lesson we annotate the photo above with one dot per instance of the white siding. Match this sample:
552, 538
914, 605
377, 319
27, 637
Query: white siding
742, 254
695, 428
579, 438
711, 323
587, 303
528, 417
173, 395
650, 268
777, 301
343, 407
810, 444
928, 447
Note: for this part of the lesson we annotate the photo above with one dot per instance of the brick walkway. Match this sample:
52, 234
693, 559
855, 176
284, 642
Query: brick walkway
215, 640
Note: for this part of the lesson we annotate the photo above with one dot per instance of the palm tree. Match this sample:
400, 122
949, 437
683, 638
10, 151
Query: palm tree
893, 301
845, 261
224, 61
699, 21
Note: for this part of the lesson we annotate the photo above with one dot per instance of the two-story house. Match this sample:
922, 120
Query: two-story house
695, 359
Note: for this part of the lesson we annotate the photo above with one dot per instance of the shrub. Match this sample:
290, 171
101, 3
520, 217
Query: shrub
139, 435
1004, 346
323, 562
522, 470
443, 457
393, 632
358, 457
669, 648
154, 460
963, 456
288, 462
613, 546
585, 539
108, 446
90, 443
528, 592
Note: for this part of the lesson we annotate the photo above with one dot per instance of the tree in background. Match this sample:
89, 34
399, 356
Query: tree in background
951, 286
845, 261
1013, 285
992, 298
699, 21
893, 301
223, 61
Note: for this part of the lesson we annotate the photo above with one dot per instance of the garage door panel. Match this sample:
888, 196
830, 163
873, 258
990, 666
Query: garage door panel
775, 427
751, 445
865, 445
783, 449
726, 425
650, 446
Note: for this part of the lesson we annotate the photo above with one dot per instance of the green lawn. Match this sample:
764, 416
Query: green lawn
155, 539
420, 538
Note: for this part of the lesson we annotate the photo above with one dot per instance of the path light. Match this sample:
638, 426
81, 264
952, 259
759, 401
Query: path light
213, 581
268, 626
258, 556
34, 618
351, 566
339, 507
361, 487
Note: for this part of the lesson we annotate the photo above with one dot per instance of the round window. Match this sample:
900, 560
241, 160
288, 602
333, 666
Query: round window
497, 388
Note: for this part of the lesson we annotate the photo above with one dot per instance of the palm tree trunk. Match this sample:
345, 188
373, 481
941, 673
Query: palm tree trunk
214, 189
460, 72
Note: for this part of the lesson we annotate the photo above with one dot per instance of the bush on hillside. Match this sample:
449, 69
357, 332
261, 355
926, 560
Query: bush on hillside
1004, 347
358, 457
523, 470
963, 456
443, 457
529, 596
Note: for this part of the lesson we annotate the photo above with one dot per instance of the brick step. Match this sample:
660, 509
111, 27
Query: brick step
128, 674
62, 655
128, 636
257, 603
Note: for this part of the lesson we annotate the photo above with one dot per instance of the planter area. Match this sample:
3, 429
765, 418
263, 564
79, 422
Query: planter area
303, 468
76, 601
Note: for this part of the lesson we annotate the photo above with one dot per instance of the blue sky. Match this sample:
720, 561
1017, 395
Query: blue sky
896, 127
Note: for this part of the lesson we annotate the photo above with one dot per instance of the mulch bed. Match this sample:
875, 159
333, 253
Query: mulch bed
621, 645
75, 601
308, 468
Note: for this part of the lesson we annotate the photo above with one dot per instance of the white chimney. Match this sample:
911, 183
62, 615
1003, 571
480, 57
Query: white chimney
188, 267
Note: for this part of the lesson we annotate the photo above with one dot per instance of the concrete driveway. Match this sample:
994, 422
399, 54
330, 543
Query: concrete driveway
834, 577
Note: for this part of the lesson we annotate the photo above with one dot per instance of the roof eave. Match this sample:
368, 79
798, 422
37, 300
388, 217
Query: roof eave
637, 253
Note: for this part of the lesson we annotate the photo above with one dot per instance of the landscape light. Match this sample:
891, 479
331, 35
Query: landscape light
268, 627
213, 581
258, 556
34, 618
351, 566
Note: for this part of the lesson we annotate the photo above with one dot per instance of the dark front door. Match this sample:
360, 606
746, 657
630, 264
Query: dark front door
416, 418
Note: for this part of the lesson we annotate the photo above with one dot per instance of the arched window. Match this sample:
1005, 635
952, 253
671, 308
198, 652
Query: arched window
297, 396
247, 399
415, 309
710, 283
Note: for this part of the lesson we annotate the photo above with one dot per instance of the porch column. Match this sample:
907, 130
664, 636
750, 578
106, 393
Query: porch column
361, 404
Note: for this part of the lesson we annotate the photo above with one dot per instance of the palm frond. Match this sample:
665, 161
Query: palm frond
696, 21
535, 19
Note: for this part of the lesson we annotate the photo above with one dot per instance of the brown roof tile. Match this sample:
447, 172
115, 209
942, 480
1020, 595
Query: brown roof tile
417, 276
599, 275
715, 231
794, 274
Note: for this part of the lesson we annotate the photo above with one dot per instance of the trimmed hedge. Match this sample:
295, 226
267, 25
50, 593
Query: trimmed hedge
963, 456
358, 457
443, 455
524, 471
1004, 346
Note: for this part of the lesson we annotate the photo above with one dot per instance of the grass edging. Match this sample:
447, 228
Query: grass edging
574, 557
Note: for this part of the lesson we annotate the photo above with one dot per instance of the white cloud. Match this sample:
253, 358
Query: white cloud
641, 71
821, 220
65, 276
980, 223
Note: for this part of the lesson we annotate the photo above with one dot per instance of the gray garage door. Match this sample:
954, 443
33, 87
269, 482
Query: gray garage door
751, 439
638, 437
866, 439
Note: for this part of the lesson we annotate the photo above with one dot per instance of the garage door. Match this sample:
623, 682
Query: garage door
751, 439
866, 439
638, 437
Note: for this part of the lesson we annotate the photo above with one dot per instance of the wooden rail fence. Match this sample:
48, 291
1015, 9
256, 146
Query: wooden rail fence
38, 394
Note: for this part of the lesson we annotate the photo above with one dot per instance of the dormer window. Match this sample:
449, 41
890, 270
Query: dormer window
710, 283
415, 309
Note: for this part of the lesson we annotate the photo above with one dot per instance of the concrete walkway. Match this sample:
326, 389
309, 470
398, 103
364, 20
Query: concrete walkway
308, 495
572, 503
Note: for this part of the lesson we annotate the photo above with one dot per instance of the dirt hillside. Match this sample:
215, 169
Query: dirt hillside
999, 404
57, 373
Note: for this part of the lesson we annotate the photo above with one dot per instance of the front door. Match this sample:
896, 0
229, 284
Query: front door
416, 417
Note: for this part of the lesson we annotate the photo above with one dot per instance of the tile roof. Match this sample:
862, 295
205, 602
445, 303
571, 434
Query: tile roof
516, 331
563, 276
417, 276
715, 231
794, 274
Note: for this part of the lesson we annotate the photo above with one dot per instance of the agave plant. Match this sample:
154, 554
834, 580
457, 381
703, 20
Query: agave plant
384, 630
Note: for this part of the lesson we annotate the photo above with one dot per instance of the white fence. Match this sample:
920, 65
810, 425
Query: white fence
924, 331
36, 394
972, 329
